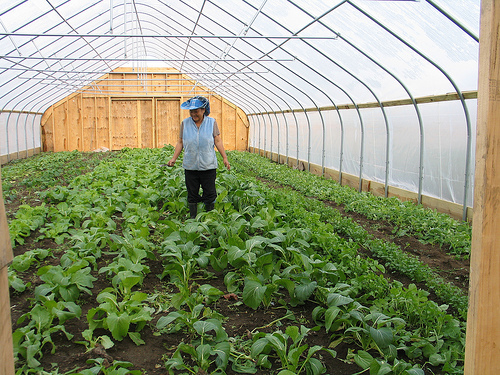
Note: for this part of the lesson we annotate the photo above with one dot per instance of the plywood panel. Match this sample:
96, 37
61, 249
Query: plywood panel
61, 127
74, 124
168, 122
124, 127
216, 113
241, 125
48, 130
229, 133
151, 119
114, 84
89, 124
100, 86
174, 84
158, 83
133, 83
102, 122
146, 123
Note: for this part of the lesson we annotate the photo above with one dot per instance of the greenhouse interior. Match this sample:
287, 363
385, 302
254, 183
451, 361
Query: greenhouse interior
352, 225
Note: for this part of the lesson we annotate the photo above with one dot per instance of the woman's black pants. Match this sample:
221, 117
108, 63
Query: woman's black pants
205, 180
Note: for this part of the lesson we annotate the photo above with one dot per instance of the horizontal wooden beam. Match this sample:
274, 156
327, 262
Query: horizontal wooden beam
388, 103
21, 112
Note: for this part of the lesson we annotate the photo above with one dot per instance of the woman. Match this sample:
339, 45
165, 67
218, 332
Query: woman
199, 133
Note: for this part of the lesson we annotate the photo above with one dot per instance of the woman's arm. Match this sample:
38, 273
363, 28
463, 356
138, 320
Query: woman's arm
220, 148
177, 152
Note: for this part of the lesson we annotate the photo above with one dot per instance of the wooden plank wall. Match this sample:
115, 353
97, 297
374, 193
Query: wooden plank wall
131, 109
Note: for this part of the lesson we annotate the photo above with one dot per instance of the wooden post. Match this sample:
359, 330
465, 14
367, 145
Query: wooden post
6, 349
110, 124
482, 352
138, 124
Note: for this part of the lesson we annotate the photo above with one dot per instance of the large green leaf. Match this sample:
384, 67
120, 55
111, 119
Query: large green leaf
304, 290
222, 350
382, 336
253, 293
258, 346
335, 299
363, 359
315, 367
118, 325
204, 326
136, 338
294, 356
330, 315
203, 355
414, 371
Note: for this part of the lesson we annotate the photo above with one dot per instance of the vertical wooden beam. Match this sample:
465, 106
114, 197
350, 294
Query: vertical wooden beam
96, 142
66, 125
110, 123
80, 144
235, 126
482, 352
139, 124
6, 351
53, 130
154, 119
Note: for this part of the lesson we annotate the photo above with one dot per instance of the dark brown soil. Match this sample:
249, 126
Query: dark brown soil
451, 268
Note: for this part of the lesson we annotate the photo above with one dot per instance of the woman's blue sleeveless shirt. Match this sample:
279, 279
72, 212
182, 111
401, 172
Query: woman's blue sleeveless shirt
198, 143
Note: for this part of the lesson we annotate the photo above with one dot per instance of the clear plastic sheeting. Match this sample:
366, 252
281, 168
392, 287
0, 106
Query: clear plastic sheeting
23, 133
444, 150
292, 65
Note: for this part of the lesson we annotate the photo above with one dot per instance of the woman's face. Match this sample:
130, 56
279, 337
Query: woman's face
197, 114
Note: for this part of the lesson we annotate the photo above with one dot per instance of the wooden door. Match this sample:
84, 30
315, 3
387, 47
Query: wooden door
168, 121
131, 123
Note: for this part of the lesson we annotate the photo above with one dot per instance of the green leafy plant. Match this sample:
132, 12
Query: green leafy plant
65, 282
92, 342
15, 282
102, 366
211, 349
273, 247
375, 366
120, 309
24, 261
31, 339
27, 220
290, 349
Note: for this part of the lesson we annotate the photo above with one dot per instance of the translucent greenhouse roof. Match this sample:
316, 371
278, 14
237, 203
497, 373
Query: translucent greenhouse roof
263, 55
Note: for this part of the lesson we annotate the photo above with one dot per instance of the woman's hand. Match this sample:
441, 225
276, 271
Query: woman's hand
171, 162
226, 163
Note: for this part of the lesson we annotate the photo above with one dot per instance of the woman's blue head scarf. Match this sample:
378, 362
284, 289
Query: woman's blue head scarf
197, 102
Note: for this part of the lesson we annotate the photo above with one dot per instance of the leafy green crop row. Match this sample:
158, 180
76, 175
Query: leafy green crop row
390, 253
44, 171
407, 217
273, 247
394, 258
